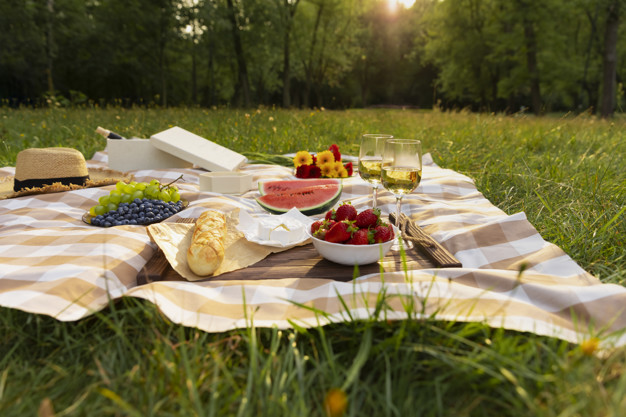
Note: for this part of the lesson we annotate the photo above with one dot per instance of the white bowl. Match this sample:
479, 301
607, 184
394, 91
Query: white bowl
353, 254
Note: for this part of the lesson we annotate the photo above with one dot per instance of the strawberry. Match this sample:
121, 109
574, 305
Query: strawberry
324, 227
367, 218
361, 237
383, 233
330, 215
340, 232
345, 211
320, 233
316, 225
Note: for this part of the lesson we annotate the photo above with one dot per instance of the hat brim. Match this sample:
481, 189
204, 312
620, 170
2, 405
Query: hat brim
98, 177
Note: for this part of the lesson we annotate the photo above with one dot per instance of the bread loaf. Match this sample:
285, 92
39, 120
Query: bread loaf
206, 252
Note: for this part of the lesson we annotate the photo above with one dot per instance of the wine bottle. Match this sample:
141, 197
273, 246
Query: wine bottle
108, 134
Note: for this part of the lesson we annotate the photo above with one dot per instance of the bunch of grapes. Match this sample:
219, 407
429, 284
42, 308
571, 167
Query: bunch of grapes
129, 192
139, 211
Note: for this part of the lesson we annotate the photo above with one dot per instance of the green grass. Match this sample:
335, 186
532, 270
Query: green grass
567, 173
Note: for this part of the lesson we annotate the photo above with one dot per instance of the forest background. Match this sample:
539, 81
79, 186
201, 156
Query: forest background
486, 55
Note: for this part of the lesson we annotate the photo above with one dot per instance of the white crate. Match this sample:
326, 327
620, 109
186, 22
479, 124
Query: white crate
197, 150
135, 154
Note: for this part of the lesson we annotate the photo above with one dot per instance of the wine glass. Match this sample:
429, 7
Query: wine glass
370, 159
401, 170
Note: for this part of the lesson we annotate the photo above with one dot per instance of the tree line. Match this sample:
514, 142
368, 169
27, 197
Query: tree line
488, 55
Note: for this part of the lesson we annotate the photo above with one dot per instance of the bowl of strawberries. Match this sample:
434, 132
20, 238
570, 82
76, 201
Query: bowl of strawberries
348, 237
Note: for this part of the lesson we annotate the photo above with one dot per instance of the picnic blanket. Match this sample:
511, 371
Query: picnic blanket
53, 263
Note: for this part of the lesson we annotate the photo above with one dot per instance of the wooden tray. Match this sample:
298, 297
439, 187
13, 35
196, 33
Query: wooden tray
297, 262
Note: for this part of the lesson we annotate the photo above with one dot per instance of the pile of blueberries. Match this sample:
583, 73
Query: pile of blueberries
139, 211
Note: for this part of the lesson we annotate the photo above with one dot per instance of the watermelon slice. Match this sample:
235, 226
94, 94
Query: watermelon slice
310, 200
273, 187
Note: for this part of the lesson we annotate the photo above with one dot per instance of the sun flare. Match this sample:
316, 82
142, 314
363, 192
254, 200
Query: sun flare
395, 4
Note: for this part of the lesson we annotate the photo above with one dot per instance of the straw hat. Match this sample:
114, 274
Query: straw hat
50, 170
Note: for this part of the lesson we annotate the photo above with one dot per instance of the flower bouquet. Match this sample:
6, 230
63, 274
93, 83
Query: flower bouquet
325, 164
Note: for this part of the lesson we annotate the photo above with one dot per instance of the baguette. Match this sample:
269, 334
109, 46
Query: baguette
206, 252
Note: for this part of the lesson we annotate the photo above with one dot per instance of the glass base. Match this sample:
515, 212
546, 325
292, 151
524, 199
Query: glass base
406, 244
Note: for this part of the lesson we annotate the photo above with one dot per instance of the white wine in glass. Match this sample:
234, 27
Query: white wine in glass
371, 158
401, 170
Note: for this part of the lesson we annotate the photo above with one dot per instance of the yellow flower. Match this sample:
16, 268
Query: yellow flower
589, 346
338, 166
328, 170
325, 157
302, 158
335, 403
343, 172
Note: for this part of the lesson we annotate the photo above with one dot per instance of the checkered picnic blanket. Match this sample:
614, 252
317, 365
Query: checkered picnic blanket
53, 263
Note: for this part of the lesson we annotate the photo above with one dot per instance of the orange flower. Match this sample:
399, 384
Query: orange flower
335, 402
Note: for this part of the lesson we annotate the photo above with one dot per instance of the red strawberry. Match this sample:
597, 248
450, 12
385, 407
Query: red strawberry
383, 233
326, 225
330, 215
320, 233
316, 225
367, 218
361, 237
340, 232
345, 211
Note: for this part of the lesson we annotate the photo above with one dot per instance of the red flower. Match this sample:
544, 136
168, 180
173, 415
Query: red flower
303, 171
335, 150
314, 160
349, 168
315, 172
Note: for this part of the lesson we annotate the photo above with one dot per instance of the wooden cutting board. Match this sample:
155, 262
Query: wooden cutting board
297, 262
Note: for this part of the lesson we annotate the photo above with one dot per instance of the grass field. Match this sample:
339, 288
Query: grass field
567, 174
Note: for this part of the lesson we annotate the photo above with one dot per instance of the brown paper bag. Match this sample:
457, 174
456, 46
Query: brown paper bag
175, 238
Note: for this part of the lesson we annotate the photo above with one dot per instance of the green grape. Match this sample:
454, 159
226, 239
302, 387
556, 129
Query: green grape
165, 196
104, 200
175, 196
111, 207
115, 196
152, 191
92, 211
133, 183
137, 194
127, 198
129, 189
100, 209
155, 182
141, 186
120, 185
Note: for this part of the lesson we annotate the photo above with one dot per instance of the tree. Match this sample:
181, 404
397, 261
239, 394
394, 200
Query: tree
242, 69
326, 45
287, 10
607, 105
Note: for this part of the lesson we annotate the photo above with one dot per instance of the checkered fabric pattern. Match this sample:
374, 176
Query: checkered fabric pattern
53, 263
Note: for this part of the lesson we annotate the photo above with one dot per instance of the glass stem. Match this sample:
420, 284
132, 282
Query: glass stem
375, 195
398, 211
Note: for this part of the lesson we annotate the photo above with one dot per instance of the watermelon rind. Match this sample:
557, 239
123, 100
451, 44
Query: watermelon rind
281, 186
308, 210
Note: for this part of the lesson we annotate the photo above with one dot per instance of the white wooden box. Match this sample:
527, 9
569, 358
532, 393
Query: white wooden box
135, 154
197, 150
226, 182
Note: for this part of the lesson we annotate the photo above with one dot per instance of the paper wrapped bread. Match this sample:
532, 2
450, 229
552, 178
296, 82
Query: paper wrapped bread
206, 252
